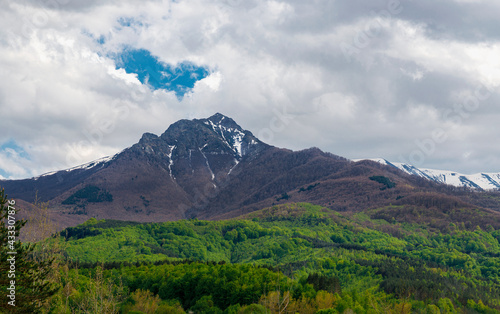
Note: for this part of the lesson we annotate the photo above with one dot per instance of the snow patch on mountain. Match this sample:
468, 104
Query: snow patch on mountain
208, 165
235, 140
171, 161
481, 181
236, 162
238, 140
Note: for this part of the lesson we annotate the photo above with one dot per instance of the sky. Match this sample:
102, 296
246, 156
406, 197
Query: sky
409, 81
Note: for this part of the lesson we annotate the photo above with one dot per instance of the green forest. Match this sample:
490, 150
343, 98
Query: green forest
290, 258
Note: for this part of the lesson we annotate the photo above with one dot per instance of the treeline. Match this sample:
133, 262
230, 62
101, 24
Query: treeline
88, 194
92, 228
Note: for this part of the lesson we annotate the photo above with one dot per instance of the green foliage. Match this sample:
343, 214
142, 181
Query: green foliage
309, 187
388, 184
326, 283
283, 196
24, 283
206, 305
359, 261
253, 309
92, 227
89, 194
205, 285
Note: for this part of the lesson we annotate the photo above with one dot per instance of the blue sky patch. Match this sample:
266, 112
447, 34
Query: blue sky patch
13, 151
179, 78
11, 147
129, 22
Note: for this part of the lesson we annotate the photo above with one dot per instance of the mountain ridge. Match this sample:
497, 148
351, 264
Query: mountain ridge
481, 181
214, 169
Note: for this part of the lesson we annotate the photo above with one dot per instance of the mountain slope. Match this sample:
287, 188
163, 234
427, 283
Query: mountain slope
482, 181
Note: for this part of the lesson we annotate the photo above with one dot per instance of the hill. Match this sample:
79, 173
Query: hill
370, 260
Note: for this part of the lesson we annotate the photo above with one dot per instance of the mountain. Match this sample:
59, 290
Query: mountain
213, 169
481, 181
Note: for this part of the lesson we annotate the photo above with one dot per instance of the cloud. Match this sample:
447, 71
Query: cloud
66, 101
12, 158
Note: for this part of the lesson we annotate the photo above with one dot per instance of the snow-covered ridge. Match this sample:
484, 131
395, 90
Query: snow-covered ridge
483, 181
89, 165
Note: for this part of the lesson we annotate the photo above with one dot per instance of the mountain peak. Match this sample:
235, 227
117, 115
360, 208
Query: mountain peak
146, 137
218, 117
232, 135
219, 120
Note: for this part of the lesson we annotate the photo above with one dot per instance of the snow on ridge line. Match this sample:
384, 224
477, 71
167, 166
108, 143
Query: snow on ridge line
485, 181
88, 165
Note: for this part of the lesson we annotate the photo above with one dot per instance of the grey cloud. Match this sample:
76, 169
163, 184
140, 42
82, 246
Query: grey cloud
78, 5
390, 95
470, 22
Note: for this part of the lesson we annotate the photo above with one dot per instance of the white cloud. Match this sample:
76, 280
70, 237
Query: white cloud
471, 61
212, 81
336, 106
63, 100
13, 164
